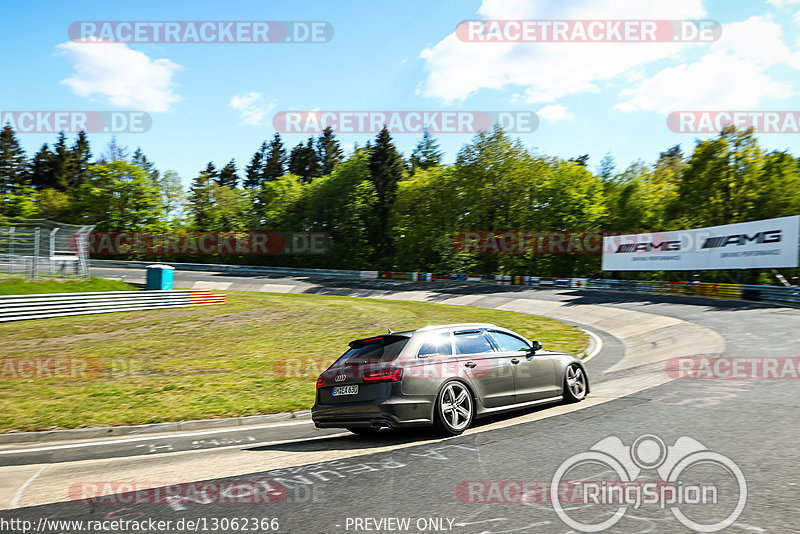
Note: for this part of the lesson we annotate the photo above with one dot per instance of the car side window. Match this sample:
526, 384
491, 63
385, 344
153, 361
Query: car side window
436, 345
472, 343
508, 343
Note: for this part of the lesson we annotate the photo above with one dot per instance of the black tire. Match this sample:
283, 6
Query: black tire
454, 409
364, 431
575, 383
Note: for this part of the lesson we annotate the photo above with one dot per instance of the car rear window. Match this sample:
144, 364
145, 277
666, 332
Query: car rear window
382, 349
436, 345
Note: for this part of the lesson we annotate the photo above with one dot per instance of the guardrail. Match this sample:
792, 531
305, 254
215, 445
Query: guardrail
46, 305
789, 296
245, 269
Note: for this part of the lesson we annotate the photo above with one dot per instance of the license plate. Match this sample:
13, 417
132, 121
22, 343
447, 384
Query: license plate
344, 390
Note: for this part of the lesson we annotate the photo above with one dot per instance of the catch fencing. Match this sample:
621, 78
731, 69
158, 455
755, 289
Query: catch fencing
37, 248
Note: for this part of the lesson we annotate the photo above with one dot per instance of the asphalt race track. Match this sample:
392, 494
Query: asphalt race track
495, 478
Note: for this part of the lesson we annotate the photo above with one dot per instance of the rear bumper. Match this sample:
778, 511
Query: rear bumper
393, 413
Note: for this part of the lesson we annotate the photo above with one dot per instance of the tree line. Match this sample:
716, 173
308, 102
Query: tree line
385, 211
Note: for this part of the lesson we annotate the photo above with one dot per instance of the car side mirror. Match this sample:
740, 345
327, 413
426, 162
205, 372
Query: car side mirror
537, 345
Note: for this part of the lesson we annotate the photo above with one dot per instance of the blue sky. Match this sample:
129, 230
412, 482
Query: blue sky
216, 101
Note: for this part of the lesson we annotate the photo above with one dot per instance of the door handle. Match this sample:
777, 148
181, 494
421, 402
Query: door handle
514, 361
470, 364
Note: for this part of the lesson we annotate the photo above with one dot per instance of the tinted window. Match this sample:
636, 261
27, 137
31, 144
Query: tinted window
508, 343
436, 345
472, 343
381, 350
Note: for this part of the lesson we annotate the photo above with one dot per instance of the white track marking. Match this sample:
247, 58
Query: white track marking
18, 497
153, 438
598, 345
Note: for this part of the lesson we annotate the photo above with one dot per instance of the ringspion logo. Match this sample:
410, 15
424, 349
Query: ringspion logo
704, 490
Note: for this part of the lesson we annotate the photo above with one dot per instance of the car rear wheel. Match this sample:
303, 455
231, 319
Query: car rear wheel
574, 383
454, 409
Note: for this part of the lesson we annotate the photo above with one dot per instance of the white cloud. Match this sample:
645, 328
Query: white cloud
713, 83
123, 77
731, 76
781, 3
733, 72
253, 109
555, 113
546, 72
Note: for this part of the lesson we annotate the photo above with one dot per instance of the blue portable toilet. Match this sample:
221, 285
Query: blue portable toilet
160, 277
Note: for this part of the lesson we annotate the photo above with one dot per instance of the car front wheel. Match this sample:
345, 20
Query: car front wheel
575, 383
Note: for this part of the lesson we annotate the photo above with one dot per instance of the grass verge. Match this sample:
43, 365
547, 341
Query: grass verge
260, 353
20, 286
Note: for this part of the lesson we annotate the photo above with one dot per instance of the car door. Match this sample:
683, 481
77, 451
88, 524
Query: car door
534, 375
489, 371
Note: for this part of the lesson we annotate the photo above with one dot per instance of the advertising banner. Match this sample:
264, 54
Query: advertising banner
770, 243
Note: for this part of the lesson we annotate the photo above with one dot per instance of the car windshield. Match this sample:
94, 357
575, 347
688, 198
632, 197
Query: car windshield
376, 350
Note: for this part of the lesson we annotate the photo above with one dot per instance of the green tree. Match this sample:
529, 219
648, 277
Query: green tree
80, 157
228, 176
279, 204
425, 218
254, 172
172, 195
13, 166
114, 152
426, 154
53, 205
121, 197
343, 205
329, 153
62, 164
304, 162
777, 187
719, 183
386, 168
275, 161
41, 169
201, 200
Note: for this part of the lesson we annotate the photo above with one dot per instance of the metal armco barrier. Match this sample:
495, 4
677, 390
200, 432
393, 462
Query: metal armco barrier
789, 296
245, 269
41, 306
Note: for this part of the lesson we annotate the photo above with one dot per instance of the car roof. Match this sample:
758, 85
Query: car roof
456, 326
410, 333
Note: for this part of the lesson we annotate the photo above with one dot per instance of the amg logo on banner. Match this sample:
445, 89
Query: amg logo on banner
769, 236
649, 247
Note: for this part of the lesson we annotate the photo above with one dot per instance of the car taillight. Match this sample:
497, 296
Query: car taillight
320, 382
389, 375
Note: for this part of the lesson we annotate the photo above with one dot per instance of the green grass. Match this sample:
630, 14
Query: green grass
260, 353
19, 286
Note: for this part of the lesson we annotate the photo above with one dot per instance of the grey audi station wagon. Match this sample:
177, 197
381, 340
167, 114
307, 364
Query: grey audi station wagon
442, 376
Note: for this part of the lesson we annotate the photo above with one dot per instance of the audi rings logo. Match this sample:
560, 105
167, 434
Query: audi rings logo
704, 490
340, 378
